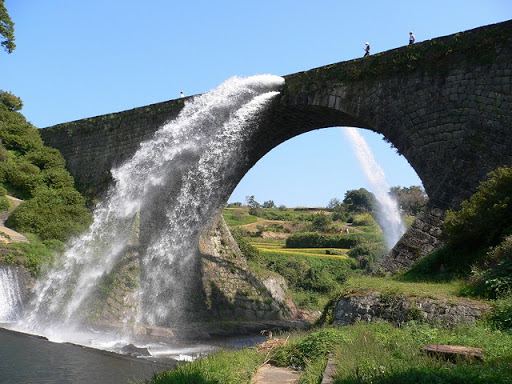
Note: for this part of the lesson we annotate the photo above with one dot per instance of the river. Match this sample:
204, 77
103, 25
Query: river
31, 359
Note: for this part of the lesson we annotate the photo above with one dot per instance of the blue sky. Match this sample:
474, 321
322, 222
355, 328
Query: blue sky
77, 59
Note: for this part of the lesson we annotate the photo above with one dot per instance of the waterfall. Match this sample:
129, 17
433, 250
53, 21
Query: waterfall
389, 214
176, 180
10, 295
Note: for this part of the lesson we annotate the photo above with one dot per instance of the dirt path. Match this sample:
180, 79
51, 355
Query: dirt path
267, 374
7, 235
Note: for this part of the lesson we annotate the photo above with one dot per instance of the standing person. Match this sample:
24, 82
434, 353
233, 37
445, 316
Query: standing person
412, 39
367, 50
182, 94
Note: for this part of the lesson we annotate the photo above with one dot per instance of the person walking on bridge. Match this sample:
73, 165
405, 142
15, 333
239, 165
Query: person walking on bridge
367, 50
412, 39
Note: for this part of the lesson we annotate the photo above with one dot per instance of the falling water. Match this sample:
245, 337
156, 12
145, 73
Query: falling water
175, 181
389, 214
10, 295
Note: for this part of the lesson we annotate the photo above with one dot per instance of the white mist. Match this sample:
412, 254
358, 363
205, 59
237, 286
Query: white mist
177, 175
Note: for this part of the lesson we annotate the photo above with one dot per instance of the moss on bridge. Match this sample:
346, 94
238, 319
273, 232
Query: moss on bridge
477, 47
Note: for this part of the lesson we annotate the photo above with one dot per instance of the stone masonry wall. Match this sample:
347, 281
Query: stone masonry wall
444, 104
374, 306
93, 146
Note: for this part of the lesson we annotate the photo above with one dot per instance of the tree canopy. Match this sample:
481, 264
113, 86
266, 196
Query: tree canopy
6, 29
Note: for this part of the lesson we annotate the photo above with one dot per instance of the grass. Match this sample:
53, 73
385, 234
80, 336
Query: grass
381, 353
236, 217
223, 367
435, 290
363, 353
277, 247
36, 255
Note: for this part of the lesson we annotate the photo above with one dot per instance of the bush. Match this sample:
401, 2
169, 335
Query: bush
501, 317
250, 252
16, 133
314, 346
364, 219
486, 216
45, 158
367, 254
318, 240
24, 177
492, 277
52, 214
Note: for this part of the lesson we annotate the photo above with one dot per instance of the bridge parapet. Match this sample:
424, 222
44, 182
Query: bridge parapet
444, 104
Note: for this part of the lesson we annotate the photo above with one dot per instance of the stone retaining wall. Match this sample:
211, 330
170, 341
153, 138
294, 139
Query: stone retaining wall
373, 306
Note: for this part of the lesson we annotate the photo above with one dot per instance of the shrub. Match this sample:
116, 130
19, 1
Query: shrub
245, 246
318, 240
367, 254
52, 214
24, 177
314, 346
501, 317
16, 133
364, 219
486, 216
45, 158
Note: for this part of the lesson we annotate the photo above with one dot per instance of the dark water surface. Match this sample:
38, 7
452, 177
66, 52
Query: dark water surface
30, 359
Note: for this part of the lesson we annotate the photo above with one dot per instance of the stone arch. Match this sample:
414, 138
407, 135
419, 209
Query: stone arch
444, 104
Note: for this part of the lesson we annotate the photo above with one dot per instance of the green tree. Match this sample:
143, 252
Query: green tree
269, 204
12, 102
410, 199
6, 29
321, 222
359, 201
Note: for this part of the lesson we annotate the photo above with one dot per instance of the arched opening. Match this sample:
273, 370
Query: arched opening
310, 169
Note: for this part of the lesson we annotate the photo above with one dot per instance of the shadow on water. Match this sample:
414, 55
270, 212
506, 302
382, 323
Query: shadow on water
32, 359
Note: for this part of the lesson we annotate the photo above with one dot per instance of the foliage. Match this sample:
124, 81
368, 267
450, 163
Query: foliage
381, 353
6, 29
368, 254
321, 222
310, 279
492, 276
411, 200
313, 346
269, 204
223, 367
237, 216
249, 252
52, 209
35, 255
12, 102
486, 217
359, 201
16, 134
319, 240
52, 214
501, 316
364, 219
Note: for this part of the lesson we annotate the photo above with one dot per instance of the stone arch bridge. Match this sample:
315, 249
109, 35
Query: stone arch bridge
444, 104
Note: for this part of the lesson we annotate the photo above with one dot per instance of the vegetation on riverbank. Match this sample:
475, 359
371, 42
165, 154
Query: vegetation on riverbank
53, 210
364, 353
381, 352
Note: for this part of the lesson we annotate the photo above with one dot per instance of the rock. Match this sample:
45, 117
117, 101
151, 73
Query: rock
371, 306
134, 351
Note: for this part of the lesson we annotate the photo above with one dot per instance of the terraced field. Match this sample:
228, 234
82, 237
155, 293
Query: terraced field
278, 247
